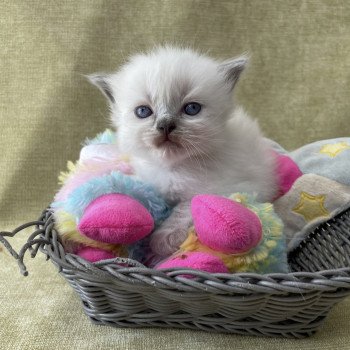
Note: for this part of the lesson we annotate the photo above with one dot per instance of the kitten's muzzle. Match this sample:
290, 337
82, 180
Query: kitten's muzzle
166, 126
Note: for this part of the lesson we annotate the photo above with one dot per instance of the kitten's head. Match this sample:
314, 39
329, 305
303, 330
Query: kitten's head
171, 104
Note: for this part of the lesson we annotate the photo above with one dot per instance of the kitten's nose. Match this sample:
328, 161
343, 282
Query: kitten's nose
166, 126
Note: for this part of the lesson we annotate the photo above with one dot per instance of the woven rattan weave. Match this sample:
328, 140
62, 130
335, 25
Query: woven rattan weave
289, 305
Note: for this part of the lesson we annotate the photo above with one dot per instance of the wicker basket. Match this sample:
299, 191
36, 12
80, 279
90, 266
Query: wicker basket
289, 305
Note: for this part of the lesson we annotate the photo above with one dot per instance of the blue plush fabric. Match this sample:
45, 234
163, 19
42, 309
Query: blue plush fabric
314, 159
328, 158
117, 182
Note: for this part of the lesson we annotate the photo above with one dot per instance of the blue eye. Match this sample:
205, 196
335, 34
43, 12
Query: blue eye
143, 112
192, 108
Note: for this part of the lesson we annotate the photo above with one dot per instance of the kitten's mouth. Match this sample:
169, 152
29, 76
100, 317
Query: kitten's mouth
167, 141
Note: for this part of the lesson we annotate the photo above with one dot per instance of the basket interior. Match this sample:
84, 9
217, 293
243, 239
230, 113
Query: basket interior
326, 248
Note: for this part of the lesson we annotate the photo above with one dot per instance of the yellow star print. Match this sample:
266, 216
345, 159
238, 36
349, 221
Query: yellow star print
311, 207
333, 149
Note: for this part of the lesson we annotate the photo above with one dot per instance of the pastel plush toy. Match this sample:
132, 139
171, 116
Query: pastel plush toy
235, 234
102, 210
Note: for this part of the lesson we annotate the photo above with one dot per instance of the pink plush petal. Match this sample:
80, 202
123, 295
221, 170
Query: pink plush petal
287, 172
225, 225
116, 218
95, 254
195, 260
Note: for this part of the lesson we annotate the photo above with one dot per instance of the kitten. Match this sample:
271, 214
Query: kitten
175, 115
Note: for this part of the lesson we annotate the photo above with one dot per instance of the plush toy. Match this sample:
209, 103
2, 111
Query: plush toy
102, 211
320, 192
235, 234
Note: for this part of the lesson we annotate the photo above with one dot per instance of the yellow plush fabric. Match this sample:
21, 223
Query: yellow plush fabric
297, 86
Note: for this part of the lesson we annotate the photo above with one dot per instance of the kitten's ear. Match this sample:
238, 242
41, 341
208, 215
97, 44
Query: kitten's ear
232, 69
103, 83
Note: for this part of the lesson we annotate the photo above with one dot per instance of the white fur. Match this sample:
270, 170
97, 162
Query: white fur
220, 150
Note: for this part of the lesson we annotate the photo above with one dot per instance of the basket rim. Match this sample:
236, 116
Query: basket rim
47, 239
173, 278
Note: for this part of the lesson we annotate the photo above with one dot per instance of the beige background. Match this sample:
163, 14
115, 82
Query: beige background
297, 85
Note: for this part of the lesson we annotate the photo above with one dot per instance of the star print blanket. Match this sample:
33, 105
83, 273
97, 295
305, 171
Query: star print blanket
321, 192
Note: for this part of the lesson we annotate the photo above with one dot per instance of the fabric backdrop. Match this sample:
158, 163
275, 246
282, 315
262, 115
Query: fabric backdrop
297, 86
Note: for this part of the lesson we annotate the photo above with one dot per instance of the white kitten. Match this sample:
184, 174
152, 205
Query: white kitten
175, 115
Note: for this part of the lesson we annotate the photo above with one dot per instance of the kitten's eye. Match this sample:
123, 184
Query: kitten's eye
143, 111
192, 108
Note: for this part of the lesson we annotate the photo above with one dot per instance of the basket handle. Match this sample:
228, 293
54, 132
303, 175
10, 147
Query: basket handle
33, 244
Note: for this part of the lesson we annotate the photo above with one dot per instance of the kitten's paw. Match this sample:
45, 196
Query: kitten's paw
167, 239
